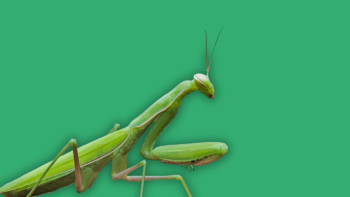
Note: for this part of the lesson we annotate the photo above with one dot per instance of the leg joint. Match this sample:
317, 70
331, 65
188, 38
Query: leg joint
143, 163
177, 177
73, 142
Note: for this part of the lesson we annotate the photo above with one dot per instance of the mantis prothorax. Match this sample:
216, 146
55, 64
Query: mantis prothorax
82, 165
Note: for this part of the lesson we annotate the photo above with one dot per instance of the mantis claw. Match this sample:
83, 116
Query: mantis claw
189, 167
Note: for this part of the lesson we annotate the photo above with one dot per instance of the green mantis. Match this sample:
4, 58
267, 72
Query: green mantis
82, 165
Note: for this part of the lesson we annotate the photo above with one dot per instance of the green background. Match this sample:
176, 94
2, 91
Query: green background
71, 69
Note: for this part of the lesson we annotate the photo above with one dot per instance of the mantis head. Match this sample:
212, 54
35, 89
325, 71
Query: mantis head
202, 81
204, 85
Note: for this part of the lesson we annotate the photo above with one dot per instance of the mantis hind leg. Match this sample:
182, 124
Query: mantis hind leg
78, 180
84, 177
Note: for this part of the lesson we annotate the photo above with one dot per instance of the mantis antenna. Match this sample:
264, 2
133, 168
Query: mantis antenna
208, 66
206, 53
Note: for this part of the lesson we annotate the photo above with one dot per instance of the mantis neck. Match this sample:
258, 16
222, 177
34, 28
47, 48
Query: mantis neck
171, 100
186, 86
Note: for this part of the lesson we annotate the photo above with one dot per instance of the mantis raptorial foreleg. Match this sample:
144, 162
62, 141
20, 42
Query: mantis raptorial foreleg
78, 179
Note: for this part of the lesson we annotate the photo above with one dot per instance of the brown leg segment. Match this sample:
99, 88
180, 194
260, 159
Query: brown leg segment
72, 143
153, 178
124, 175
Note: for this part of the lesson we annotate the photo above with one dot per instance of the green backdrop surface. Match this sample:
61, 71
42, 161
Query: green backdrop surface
280, 72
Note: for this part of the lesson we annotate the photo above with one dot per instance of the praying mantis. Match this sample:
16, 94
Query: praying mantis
82, 165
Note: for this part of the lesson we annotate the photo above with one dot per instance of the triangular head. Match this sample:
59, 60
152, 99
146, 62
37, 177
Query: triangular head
204, 85
202, 81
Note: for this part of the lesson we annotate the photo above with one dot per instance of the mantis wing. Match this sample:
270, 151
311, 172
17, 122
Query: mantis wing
65, 164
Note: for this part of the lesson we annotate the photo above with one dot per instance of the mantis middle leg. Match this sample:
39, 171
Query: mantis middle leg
115, 128
119, 171
119, 163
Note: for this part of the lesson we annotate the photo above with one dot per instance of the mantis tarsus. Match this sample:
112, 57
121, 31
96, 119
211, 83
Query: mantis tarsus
81, 166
